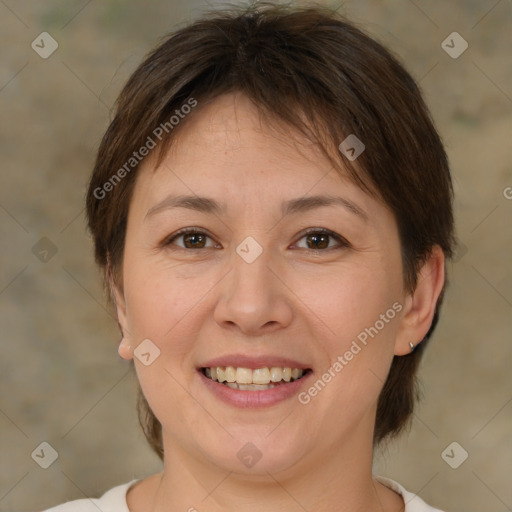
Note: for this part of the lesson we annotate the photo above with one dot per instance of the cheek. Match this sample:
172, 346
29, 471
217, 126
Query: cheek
170, 304
353, 324
348, 300
358, 316
167, 310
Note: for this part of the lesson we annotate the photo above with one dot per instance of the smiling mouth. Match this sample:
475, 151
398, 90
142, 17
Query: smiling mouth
259, 379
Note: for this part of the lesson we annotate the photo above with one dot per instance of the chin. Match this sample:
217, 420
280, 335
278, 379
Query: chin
254, 452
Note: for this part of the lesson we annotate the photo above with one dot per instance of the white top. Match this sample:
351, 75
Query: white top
115, 500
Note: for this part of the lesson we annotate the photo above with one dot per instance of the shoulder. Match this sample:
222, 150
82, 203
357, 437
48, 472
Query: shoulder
113, 500
413, 503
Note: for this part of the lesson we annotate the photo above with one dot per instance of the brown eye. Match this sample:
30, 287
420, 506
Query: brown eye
194, 240
321, 240
190, 239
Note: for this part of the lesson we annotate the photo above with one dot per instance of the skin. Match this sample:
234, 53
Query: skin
293, 300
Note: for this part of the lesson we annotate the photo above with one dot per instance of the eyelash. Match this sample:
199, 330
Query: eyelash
343, 243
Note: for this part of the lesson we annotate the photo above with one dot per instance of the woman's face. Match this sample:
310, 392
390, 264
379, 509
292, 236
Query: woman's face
250, 288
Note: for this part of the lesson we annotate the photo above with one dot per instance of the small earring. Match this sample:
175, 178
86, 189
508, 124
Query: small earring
411, 344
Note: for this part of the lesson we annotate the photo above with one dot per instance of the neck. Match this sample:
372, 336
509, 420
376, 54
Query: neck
341, 480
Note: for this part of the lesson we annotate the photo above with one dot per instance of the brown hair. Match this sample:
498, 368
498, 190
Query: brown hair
313, 70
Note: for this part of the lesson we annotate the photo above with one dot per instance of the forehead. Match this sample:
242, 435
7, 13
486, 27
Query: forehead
231, 125
227, 150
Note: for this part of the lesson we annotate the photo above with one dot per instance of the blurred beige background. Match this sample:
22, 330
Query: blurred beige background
62, 380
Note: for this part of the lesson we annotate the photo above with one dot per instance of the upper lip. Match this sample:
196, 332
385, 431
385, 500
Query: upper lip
244, 361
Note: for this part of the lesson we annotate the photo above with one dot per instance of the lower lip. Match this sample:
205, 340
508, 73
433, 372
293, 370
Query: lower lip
254, 399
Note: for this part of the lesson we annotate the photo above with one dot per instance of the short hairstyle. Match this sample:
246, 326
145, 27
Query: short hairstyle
313, 70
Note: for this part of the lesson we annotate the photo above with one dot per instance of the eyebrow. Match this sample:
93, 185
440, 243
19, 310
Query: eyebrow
292, 206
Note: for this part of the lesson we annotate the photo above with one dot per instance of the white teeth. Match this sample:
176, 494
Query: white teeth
244, 375
244, 378
276, 374
230, 374
261, 376
221, 374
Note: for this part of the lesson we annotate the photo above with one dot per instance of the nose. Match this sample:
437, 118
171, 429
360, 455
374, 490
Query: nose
253, 299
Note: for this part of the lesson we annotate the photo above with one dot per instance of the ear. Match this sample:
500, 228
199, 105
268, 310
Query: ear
420, 305
117, 295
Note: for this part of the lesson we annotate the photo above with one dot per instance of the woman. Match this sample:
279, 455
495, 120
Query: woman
272, 208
